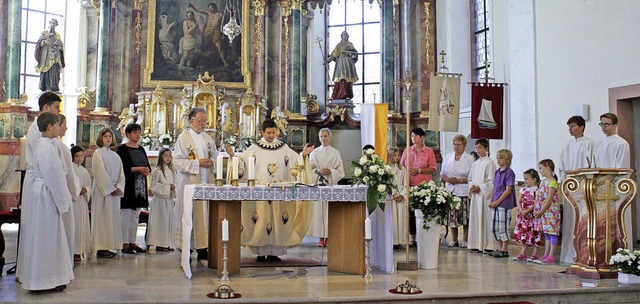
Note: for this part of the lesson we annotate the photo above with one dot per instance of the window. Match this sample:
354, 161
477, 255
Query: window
482, 38
36, 15
362, 21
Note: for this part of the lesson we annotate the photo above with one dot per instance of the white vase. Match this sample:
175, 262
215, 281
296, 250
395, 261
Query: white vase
428, 243
628, 279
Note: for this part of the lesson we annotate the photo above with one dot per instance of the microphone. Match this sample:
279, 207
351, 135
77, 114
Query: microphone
323, 180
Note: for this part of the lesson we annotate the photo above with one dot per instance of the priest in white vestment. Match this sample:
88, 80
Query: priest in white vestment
577, 154
270, 227
480, 190
48, 103
326, 161
45, 263
193, 159
613, 151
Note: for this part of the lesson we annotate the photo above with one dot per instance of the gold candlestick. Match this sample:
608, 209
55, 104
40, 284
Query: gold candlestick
219, 182
251, 183
234, 182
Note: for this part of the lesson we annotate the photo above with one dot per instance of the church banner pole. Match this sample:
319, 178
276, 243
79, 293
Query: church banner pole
409, 84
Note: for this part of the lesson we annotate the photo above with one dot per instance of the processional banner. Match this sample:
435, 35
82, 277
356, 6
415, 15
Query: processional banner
487, 110
444, 102
374, 127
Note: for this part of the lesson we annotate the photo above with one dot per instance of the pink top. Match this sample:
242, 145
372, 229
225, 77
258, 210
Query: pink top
422, 159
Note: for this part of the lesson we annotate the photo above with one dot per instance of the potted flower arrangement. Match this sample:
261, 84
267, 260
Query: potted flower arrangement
628, 263
434, 202
231, 140
372, 171
145, 141
165, 140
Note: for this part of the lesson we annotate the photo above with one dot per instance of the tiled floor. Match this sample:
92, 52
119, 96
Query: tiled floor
461, 277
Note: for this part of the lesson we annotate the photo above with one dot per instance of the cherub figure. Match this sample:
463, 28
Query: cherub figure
280, 118
127, 116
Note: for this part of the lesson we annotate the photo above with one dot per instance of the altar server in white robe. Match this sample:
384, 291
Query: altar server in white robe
48, 102
577, 154
327, 161
193, 159
162, 218
81, 206
72, 184
480, 190
108, 185
397, 201
613, 151
45, 264
269, 228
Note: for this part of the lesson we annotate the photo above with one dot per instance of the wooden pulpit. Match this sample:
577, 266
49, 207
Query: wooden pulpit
599, 197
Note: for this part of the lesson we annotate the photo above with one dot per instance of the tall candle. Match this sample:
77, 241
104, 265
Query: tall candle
225, 230
219, 164
234, 166
367, 228
23, 154
251, 167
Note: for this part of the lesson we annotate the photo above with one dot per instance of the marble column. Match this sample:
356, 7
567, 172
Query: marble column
387, 53
134, 51
295, 56
259, 38
3, 45
11, 54
397, 71
285, 7
103, 57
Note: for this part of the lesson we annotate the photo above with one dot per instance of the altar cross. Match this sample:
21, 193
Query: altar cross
608, 199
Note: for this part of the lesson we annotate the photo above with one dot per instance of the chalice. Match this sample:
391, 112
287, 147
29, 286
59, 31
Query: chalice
294, 173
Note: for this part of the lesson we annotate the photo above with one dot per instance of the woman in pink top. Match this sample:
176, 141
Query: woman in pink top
421, 167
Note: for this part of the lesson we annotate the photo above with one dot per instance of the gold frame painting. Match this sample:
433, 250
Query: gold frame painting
227, 63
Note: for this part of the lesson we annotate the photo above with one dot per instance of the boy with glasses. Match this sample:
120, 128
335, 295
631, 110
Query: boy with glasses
613, 151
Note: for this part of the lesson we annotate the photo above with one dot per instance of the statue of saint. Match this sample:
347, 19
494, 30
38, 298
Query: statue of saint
344, 74
50, 58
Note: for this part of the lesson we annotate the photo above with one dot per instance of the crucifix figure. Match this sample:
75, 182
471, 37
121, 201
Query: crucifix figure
608, 198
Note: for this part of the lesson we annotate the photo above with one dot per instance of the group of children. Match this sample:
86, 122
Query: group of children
55, 215
492, 197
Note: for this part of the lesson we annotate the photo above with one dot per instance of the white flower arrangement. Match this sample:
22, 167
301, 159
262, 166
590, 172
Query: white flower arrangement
626, 261
435, 202
231, 140
165, 139
145, 141
371, 170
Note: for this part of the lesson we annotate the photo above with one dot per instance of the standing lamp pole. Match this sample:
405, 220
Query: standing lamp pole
408, 84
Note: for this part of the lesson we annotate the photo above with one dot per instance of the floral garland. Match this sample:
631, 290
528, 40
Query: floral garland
435, 202
371, 170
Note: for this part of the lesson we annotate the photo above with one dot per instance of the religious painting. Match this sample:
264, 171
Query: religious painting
431, 138
187, 38
296, 137
18, 127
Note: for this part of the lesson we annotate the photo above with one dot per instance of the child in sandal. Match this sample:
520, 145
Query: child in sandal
502, 201
549, 213
524, 230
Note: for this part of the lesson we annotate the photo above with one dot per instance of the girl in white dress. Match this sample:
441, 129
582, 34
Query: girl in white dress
81, 207
397, 200
162, 213
106, 233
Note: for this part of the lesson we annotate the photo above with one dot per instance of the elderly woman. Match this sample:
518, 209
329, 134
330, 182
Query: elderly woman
455, 172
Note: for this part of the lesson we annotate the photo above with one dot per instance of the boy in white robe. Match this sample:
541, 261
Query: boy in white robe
613, 151
45, 263
48, 102
81, 206
269, 228
326, 161
577, 154
480, 191
72, 184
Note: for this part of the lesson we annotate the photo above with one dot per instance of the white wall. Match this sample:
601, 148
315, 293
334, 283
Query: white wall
583, 48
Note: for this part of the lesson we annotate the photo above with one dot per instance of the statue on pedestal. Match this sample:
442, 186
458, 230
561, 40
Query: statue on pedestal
344, 75
50, 57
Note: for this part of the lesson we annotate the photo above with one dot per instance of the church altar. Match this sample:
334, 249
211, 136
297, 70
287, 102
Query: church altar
347, 212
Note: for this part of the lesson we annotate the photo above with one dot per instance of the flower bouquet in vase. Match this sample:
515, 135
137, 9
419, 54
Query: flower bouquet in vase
433, 205
165, 140
628, 263
371, 170
145, 141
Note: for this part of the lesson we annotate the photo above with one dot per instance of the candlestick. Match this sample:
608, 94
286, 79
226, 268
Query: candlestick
225, 230
251, 167
234, 166
368, 276
367, 229
224, 279
219, 164
23, 154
